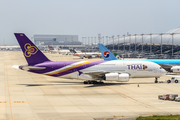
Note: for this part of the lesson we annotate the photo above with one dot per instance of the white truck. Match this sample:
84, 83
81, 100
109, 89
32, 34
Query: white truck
177, 99
173, 80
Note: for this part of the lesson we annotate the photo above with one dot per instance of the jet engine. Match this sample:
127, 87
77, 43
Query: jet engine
176, 69
116, 77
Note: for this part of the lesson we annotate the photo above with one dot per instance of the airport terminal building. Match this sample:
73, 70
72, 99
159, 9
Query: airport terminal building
40, 39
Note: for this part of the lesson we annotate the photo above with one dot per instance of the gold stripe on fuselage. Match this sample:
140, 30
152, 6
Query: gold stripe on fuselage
69, 68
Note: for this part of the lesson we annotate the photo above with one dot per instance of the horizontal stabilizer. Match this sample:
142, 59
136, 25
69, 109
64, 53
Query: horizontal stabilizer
15, 66
31, 68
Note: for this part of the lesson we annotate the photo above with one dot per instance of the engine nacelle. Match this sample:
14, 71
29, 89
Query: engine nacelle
117, 77
176, 69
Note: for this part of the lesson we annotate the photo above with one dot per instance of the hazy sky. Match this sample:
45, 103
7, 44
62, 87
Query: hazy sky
86, 18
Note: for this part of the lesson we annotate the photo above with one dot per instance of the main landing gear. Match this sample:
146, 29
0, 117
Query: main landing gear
156, 80
93, 82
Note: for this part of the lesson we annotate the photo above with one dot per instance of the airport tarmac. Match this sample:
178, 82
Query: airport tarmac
29, 96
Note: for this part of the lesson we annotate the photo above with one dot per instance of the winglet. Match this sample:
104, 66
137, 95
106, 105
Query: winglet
107, 55
32, 54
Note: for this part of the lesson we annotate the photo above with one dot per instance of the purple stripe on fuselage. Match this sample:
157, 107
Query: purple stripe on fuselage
51, 66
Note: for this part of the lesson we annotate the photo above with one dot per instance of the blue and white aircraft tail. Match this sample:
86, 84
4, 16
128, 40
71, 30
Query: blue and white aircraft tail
107, 55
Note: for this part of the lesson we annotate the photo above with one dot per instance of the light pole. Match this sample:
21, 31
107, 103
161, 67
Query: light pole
161, 43
109, 38
135, 42
100, 39
124, 44
172, 43
95, 41
142, 42
82, 40
129, 42
113, 41
118, 42
85, 43
103, 40
150, 43
92, 43
88, 43
107, 41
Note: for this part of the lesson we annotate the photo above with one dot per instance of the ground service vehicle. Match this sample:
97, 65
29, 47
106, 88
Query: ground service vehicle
172, 96
173, 80
165, 97
177, 99
160, 97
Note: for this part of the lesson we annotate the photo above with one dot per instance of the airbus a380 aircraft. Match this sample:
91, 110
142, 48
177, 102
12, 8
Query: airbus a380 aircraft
92, 71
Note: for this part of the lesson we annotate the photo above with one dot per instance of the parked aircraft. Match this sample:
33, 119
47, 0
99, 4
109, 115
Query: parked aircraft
52, 50
90, 71
60, 51
10, 48
170, 65
64, 51
88, 54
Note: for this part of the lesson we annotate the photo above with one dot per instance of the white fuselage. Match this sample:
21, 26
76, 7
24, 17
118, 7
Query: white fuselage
64, 51
133, 68
54, 51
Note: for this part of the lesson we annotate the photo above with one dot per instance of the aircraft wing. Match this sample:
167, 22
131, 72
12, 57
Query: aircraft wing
97, 74
173, 75
166, 67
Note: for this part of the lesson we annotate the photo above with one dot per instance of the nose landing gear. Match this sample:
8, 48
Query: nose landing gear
156, 80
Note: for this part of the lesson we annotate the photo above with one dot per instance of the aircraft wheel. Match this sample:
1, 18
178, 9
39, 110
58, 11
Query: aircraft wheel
176, 81
169, 81
90, 82
85, 82
94, 82
101, 82
155, 81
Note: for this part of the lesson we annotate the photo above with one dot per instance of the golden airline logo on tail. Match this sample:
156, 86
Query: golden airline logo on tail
29, 50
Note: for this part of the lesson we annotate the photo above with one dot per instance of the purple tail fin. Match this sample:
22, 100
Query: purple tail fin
32, 54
